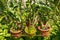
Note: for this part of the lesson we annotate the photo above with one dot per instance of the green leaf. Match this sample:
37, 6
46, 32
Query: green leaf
1, 30
21, 39
1, 38
1, 18
1, 34
5, 31
7, 35
4, 26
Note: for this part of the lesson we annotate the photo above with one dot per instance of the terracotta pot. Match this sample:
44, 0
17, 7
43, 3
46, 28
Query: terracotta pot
16, 34
44, 32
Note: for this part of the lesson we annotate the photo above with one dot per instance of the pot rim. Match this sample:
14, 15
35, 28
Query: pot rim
39, 28
11, 30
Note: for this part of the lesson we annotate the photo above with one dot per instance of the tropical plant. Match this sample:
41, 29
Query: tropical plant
30, 18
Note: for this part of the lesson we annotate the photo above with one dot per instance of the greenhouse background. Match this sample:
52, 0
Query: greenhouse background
29, 19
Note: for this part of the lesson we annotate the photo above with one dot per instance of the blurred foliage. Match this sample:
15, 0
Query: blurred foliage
11, 10
4, 32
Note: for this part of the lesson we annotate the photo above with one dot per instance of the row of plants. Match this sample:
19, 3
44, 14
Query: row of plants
30, 19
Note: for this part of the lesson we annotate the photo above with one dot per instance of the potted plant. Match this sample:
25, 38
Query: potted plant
43, 19
30, 29
43, 27
15, 30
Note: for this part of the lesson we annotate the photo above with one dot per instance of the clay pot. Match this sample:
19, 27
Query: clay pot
28, 33
16, 34
44, 32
